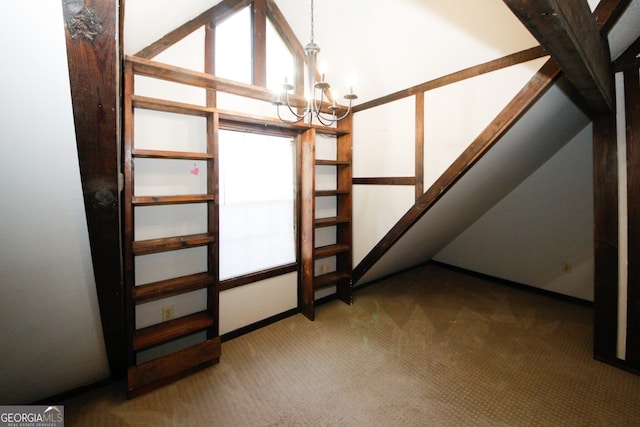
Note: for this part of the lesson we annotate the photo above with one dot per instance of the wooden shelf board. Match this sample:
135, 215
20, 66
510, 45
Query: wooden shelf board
320, 162
329, 193
165, 332
172, 287
144, 247
161, 154
171, 200
330, 250
329, 279
328, 222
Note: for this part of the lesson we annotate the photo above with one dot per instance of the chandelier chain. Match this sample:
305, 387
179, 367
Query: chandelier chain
312, 22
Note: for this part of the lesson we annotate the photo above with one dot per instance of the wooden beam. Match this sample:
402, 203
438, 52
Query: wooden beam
568, 31
605, 189
628, 60
220, 12
419, 151
607, 13
467, 73
632, 114
92, 50
388, 180
259, 42
478, 148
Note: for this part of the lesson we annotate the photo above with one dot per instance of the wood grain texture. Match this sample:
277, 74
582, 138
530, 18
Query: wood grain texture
567, 30
164, 370
605, 189
92, 35
467, 73
607, 13
306, 295
419, 151
344, 230
385, 180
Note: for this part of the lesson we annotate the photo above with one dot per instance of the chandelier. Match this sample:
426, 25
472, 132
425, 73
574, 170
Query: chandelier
317, 89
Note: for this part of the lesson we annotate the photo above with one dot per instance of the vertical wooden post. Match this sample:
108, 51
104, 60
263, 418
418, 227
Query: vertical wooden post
93, 56
632, 114
419, 160
259, 18
605, 238
306, 296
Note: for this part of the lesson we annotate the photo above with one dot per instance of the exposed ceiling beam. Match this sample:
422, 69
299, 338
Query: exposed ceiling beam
568, 32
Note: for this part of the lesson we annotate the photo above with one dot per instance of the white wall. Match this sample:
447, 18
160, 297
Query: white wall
360, 38
540, 234
50, 334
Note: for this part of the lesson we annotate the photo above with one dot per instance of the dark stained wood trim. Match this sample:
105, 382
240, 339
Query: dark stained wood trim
306, 292
216, 14
629, 58
567, 30
93, 56
390, 180
605, 238
210, 61
149, 68
344, 231
480, 146
608, 12
145, 67
632, 114
213, 222
259, 21
467, 73
419, 153
257, 276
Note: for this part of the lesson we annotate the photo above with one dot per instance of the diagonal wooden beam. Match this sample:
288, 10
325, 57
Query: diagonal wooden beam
218, 13
527, 96
568, 31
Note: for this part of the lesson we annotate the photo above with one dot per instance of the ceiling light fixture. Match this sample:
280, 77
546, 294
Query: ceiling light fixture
313, 108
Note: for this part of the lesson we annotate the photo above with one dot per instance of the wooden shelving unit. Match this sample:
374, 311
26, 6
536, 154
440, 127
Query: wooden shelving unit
312, 280
174, 364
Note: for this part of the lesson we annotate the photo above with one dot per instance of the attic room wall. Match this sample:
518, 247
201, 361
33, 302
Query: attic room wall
50, 335
540, 234
392, 137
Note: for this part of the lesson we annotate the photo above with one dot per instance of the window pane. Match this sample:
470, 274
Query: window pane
280, 62
256, 202
233, 47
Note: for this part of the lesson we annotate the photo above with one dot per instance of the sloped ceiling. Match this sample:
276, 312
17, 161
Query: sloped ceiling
532, 141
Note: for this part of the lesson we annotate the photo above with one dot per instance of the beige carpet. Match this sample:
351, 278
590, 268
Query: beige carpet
429, 347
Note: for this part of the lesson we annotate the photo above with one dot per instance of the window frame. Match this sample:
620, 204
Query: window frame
260, 275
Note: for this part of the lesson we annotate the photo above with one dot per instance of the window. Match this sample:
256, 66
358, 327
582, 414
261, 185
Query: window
257, 202
233, 53
280, 63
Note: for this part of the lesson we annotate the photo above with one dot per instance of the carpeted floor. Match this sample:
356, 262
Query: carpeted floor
428, 347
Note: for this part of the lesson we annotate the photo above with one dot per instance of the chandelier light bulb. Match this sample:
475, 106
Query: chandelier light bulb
318, 94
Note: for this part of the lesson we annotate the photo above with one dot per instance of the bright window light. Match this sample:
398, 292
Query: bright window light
257, 205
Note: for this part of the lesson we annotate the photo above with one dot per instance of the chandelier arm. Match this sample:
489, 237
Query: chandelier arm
346, 112
325, 121
299, 116
299, 119
317, 110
